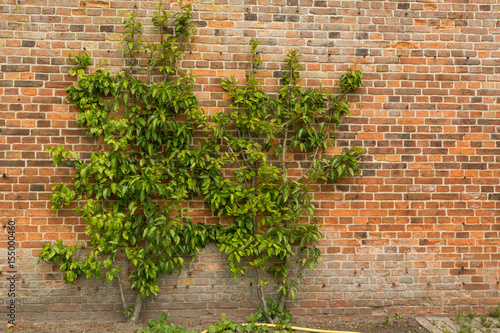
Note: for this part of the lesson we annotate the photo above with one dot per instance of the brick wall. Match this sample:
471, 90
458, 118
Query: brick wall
416, 232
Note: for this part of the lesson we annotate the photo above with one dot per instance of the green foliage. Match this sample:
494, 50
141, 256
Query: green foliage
271, 206
133, 190
224, 326
350, 81
170, 44
161, 326
254, 323
495, 313
58, 253
228, 326
81, 61
485, 322
465, 322
281, 316
128, 311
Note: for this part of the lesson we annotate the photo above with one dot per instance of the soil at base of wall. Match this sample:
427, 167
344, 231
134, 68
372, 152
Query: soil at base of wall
377, 325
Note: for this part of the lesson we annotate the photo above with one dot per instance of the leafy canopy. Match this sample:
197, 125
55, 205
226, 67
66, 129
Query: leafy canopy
256, 166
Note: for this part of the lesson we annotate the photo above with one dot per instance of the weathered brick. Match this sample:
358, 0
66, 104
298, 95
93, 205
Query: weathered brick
422, 212
15, 68
107, 28
28, 83
28, 43
250, 17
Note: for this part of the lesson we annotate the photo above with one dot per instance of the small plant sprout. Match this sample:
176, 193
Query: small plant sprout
495, 313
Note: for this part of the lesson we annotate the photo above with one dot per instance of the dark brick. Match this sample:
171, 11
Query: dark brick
40, 163
362, 35
494, 196
12, 163
15, 68
474, 166
6, 83
15, 131
15, 107
43, 61
250, 17
368, 173
200, 24
57, 61
37, 188
107, 28
279, 73
41, 77
28, 43
320, 3
334, 34
31, 115
28, 83
45, 132
343, 188
361, 52
76, 28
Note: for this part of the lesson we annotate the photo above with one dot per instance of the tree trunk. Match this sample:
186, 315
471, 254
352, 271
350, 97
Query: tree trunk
137, 309
260, 293
120, 286
282, 302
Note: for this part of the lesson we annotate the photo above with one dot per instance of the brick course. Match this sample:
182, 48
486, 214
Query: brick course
418, 231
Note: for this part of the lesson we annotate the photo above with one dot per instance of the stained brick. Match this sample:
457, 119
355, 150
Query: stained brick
76, 27
107, 28
37, 188
28, 43
250, 17
28, 83
12, 163
15, 68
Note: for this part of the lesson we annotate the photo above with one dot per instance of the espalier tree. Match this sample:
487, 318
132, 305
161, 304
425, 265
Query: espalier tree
133, 190
267, 195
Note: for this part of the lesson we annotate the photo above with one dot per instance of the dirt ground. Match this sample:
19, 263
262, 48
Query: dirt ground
378, 325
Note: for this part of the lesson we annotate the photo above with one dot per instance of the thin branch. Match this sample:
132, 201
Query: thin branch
243, 153
310, 167
318, 148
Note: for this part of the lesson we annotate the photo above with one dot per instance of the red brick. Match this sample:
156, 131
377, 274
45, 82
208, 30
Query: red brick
427, 195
